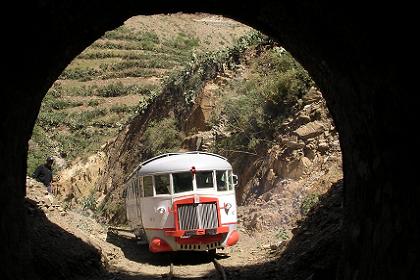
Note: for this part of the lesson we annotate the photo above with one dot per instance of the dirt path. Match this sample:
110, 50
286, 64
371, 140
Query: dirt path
129, 260
125, 258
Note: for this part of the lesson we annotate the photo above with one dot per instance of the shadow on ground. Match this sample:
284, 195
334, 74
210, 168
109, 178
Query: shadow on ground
58, 254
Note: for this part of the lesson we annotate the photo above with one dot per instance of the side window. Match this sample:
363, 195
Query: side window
204, 180
162, 185
230, 176
182, 182
127, 191
221, 180
148, 185
132, 189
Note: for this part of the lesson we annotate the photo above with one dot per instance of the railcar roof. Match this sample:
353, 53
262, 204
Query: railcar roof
181, 162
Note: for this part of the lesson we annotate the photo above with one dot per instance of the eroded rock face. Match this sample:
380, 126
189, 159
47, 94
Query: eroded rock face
78, 181
313, 151
343, 48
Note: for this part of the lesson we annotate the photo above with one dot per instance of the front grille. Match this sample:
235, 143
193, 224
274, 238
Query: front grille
197, 216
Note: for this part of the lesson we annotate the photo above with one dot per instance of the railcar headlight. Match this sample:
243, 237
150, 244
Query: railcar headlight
161, 210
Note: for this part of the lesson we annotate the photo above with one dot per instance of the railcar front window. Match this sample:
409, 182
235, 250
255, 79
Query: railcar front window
148, 186
182, 182
204, 179
221, 181
162, 185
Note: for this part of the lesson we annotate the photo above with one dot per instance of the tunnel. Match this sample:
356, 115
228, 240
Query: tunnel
356, 53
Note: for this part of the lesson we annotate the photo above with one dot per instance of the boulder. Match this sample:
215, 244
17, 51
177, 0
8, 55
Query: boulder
294, 144
303, 118
312, 96
310, 130
296, 168
323, 146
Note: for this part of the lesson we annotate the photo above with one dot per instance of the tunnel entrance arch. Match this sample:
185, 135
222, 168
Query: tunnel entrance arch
344, 56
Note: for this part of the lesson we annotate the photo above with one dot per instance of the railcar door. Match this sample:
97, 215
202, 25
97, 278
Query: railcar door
157, 202
227, 198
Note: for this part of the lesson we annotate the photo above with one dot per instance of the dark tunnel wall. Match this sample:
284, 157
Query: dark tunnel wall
350, 51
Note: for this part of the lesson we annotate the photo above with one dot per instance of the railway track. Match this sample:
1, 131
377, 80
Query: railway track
219, 268
119, 229
123, 232
128, 233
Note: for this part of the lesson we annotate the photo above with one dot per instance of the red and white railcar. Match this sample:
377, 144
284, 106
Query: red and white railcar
183, 201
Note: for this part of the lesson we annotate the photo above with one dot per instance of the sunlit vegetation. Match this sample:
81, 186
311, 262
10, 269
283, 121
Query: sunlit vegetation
81, 111
255, 107
161, 137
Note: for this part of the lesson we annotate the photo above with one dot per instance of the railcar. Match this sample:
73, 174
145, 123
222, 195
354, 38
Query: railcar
183, 201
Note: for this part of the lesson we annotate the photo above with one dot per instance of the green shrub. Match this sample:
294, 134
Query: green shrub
123, 33
89, 202
131, 55
86, 117
256, 107
144, 63
161, 137
60, 104
131, 72
66, 205
182, 42
80, 142
82, 74
41, 147
282, 234
143, 42
121, 109
48, 119
93, 102
308, 202
117, 33
112, 90
56, 90
110, 45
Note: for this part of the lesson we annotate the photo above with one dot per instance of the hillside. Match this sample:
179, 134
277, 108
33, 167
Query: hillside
223, 103
183, 85
104, 86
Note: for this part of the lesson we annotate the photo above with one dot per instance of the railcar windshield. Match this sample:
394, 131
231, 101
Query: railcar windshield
221, 180
183, 182
162, 184
204, 179
151, 185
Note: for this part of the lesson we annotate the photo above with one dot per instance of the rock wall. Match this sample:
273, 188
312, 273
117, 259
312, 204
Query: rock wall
80, 179
307, 144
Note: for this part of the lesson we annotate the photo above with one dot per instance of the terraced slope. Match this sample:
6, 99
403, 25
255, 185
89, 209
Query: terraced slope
103, 87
